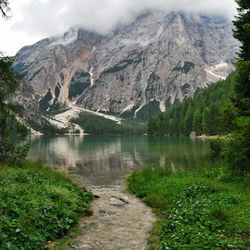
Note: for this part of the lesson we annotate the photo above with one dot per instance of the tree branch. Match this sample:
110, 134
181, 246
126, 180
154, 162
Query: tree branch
4, 8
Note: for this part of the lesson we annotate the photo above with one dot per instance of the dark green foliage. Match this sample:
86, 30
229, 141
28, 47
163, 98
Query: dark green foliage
227, 118
37, 205
148, 111
197, 121
197, 210
79, 83
238, 151
242, 88
96, 125
188, 119
211, 120
77, 88
9, 80
50, 105
9, 126
46, 128
44, 102
217, 146
18, 109
242, 28
208, 112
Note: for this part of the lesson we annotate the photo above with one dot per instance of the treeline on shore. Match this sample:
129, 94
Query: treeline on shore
209, 112
97, 125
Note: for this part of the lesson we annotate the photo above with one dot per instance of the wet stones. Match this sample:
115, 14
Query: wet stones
117, 201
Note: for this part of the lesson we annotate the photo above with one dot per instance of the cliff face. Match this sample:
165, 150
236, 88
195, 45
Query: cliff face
139, 68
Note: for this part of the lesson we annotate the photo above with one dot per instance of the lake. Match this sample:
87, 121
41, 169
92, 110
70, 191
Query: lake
105, 160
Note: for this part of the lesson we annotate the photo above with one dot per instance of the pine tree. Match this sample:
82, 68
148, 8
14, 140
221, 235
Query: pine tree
9, 127
238, 152
227, 118
188, 120
242, 33
197, 121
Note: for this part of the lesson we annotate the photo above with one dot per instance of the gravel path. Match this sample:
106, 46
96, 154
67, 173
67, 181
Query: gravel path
120, 221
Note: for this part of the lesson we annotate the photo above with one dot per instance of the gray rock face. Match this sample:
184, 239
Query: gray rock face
146, 65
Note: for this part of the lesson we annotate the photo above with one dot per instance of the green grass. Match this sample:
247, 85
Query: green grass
197, 210
38, 205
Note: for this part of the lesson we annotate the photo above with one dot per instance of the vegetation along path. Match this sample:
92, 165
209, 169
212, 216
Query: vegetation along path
119, 221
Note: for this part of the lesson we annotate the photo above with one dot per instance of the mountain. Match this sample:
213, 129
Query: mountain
137, 70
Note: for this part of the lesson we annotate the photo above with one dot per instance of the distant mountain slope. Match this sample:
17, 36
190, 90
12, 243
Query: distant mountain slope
137, 70
210, 112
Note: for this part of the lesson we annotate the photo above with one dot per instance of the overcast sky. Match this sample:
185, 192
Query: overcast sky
33, 20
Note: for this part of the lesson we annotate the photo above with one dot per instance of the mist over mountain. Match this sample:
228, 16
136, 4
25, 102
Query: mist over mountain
103, 16
137, 70
32, 21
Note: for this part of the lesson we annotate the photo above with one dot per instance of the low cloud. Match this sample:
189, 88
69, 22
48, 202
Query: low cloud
47, 18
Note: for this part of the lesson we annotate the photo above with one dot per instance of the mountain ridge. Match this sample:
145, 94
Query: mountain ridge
147, 65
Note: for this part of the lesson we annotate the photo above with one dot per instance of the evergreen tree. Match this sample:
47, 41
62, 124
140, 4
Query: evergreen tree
9, 127
238, 152
188, 120
227, 118
242, 33
197, 121
210, 120
206, 121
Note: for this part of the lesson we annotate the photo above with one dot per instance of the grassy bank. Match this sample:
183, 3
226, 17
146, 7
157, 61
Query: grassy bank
37, 205
197, 210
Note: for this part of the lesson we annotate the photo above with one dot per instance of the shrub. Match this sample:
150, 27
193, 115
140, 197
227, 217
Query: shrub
37, 205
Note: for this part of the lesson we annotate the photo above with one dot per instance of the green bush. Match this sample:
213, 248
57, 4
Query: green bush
37, 205
237, 150
216, 146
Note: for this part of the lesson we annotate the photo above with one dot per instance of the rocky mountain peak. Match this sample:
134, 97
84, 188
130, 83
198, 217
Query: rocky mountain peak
137, 70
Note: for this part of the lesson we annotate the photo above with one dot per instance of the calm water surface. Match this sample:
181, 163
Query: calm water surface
103, 161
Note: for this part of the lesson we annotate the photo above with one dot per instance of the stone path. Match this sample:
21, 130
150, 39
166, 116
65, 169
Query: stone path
120, 222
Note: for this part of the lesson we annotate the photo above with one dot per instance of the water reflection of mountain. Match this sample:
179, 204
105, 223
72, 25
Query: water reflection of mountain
100, 160
103, 160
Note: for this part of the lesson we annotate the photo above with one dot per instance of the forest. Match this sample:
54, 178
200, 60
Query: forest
210, 112
97, 125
